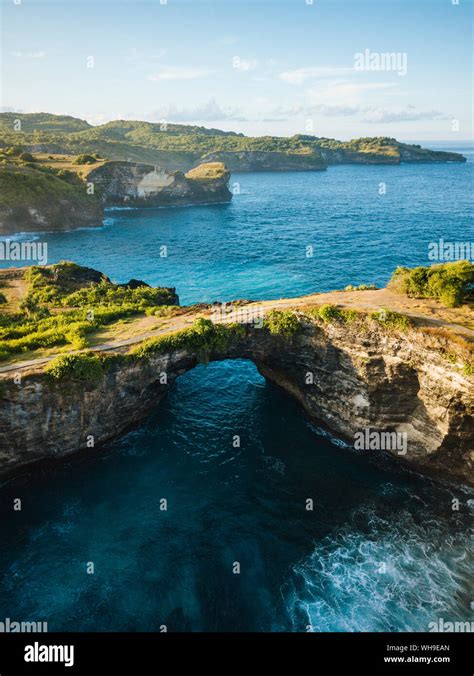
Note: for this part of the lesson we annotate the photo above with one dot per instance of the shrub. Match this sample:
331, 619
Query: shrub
361, 287
105, 293
13, 150
330, 313
391, 319
85, 159
469, 368
349, 316
27, 157
3, 298
203, 337
86, 367
450, 283
282, 323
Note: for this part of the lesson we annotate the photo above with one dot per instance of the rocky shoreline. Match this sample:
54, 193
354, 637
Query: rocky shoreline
54, 204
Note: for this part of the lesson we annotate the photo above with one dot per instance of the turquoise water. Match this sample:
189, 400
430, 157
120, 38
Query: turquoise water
255, 247
382, 548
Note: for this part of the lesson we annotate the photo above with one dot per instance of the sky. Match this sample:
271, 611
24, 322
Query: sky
278, 67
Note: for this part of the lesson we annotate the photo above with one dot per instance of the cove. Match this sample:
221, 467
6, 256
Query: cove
226, 504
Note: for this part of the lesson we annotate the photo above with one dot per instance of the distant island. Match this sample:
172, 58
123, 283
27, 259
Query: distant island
59, 172
181, 147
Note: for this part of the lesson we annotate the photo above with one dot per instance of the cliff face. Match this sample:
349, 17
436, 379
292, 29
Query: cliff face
246, 161
180, 147
66, 214
343, 156
146, 185
32, 201
395, 154
344, 377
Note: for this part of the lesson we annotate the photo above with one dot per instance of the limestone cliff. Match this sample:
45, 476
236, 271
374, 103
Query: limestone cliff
34, 201
35, 198
248, 161
146, 185
362, 376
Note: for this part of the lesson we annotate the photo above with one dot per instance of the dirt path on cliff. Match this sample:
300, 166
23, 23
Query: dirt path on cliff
424, 312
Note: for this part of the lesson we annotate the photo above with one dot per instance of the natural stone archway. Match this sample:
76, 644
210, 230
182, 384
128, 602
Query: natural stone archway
347, 376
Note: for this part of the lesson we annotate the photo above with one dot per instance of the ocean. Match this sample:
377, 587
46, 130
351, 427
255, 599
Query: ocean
187, 532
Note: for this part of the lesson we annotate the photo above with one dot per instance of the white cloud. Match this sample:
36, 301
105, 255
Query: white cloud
170, 73
300, 75
409, 114
343, 93
210, 111
28, 55
334, 111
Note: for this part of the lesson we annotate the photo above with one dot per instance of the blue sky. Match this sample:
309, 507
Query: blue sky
259, 67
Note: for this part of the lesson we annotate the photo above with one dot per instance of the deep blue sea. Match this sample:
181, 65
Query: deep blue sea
381, 550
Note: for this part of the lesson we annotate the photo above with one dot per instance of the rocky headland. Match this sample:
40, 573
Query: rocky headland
36, 196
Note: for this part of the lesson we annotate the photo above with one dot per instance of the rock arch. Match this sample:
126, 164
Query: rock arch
360, 379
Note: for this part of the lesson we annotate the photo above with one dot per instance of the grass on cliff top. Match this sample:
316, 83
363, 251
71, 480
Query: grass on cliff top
72, 163
61, 165
450, 283
65, 303
330, 313
203, 337
209, 171
208, 340
25, 187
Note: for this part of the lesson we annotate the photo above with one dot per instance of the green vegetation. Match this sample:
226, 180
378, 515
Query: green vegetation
469, 368
3, 298
87, 300
85, 159
450, 283
32, 194
177, 146
42, 122
361, 287
282, 323
329, 313
23, 187
105, 294
53, 283
204, 337
85, 367
391, 319
207, 172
